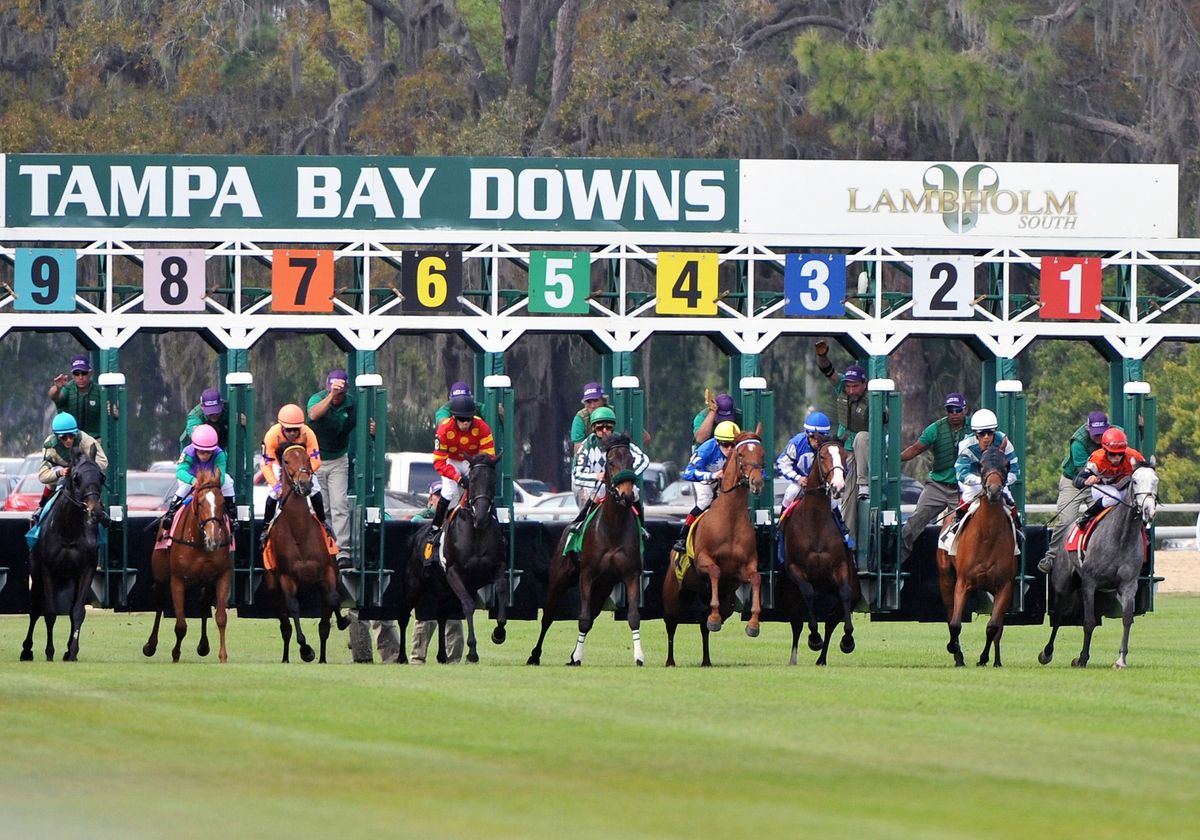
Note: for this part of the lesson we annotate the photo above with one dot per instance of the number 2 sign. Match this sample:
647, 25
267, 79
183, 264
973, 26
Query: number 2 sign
173, 281
301, 281
1070, 288
943, 286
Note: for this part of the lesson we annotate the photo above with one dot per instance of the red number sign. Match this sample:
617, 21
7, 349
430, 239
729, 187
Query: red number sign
1070, 288
302, 281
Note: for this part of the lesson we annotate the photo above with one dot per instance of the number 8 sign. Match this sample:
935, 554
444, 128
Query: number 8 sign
173, 281
44, 280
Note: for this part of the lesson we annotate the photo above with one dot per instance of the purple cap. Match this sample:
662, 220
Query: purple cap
1097, 423
80, 362
211, 402
724, 407
592, 391
435, 486
337, 373
855, 373
955, 400
460, 389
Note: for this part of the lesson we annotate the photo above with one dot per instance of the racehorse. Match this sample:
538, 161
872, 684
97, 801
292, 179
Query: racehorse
475, 549
984, 558
726, 549
818, 565
198, 556
611, 554
64, 559
301, 554
1113, 560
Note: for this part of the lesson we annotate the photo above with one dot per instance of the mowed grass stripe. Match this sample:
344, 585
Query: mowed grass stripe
887, 742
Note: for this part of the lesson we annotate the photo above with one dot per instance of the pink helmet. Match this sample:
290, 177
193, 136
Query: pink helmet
204, 438
291, 415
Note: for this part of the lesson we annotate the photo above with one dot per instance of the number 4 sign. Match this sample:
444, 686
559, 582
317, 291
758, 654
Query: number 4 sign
1070, 288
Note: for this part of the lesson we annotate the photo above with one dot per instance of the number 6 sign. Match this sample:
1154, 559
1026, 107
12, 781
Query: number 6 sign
943, 286
1070, 288
173, 281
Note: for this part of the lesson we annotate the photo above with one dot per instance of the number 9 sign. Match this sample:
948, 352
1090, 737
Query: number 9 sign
44, 280
173, 281
431, 281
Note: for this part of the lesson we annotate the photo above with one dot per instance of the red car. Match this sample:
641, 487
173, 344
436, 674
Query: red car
26, 495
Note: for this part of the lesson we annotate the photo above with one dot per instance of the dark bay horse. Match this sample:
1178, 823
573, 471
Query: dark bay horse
1113, 561
611, 555
475, 550
198, 556
726, 550
819, 571
302, 559
63, 561
984, 558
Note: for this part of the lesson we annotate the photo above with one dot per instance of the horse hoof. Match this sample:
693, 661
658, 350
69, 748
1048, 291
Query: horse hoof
533, 660
499, 635
147, 650
174, 656
202, 648
714, 626
640, 663
814, 642
342, 622
70, 657
307, 653
847, 644
1044, 657
473, 658
574, 664
1119, 666
1077, 663
981, 663
26, 656
752, 631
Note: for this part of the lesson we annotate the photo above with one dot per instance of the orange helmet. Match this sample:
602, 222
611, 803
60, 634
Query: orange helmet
291, 415
1114, 440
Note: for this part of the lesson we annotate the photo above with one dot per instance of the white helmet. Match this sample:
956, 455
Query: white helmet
984, 420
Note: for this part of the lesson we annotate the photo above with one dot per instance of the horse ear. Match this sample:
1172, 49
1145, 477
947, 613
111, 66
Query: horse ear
758, 429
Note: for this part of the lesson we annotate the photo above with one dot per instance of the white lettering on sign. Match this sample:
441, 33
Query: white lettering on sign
129, 195
81, 189
411, 191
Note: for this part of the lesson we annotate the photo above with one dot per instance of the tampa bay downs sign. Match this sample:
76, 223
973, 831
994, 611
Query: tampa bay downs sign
44, 193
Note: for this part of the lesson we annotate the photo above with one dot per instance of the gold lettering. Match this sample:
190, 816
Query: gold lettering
910, 204
885, 200
1062, 206
854, 208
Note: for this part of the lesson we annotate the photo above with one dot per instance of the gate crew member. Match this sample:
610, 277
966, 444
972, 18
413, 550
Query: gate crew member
209, 411
78, 396
290, 429
940, 492
1083, 444
705, 471
854, 424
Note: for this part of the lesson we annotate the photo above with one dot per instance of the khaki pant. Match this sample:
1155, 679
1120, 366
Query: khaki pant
935, 498
858, 479
336, 476
1067, 510
425, 632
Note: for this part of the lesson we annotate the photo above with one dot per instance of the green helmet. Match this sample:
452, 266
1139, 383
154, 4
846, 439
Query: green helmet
602, 414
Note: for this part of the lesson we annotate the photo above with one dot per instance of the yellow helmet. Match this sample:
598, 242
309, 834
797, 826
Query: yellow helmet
726, 431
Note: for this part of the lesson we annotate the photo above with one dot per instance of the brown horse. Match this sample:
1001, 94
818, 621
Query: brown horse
818, 568
984, 558
611, 555
302, 558
198, 556
726, 549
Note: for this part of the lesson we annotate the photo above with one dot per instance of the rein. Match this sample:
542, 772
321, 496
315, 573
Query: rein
292, 480
825, 479
187, 517
743, 479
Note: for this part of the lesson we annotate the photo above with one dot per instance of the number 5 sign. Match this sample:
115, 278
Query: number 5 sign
301, 281
943, 287
559, 282
1071, 288
173, 281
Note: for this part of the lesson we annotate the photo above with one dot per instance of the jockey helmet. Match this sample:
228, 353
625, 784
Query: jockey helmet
1114, 440
64, 424
603, 414
291, 415
816, 422
726, 431
984, 420
463, 407
204, 438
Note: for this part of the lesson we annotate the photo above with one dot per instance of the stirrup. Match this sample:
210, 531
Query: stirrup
680, 545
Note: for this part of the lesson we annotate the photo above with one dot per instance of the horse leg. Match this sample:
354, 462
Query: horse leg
1048, 651
830, 623
807, 594
83, 588
1126, 592
955, 622
714, 601
1089, 622
558, 584
334, 602
468, 607
670, 610
180, 617
499, 634
48, 613
705, 661
585, 616
634, 614
160, 599
221, 609
847, 643
755, 580
995, 625
35, 612
287, 589
797, 629
323, 631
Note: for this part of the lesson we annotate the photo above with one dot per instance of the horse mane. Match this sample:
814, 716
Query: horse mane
993, 458
207, 478
617, 440
481, 458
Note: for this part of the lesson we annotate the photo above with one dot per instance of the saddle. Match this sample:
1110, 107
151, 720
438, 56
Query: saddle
683, 562
1079, 536
268, 552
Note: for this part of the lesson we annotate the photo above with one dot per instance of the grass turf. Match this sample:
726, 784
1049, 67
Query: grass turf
891, 741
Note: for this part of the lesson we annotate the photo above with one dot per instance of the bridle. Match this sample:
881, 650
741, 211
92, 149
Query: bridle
293, 479
744, 470
219, 519
81, 501
825, 479
473, 497
614, 477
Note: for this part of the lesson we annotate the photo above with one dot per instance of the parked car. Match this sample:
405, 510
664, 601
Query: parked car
410, 472
556, 507
148, 491
678, 493
26, 495
534, 488
163, 466
656, 478
31, 463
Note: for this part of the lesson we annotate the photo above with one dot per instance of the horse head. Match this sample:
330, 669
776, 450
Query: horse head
481, 488
749, 457
1144, 491
618, 470
206, 496
829, 467
993, 471
84, 485
297, 469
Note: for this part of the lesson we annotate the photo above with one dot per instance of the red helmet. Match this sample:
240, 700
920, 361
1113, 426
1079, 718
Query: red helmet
291, 415
1114, 440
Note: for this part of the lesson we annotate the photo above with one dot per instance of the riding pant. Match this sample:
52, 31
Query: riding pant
316, 488
1109, 494
450, 488
970, 492
795, 490
705, 492
183, 488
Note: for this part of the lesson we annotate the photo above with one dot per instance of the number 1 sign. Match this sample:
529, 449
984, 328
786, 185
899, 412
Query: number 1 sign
1070, 288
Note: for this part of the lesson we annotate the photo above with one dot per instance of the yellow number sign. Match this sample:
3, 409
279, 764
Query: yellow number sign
686, 284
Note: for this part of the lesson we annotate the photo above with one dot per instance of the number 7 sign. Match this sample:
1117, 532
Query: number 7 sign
1070, 288
301, 281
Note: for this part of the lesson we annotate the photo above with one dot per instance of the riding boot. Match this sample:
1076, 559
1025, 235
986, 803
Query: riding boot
268, 515
1089, 512
172, 509
841, 524
231, 508
318, 506
1016, 518
577, 523
439, 516
641, 520
47, 492
681, 543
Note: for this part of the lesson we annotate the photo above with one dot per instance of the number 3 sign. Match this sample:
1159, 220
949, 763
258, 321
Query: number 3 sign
173, 281
943, 287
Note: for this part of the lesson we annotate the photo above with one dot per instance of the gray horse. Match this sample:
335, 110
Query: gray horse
1113, 561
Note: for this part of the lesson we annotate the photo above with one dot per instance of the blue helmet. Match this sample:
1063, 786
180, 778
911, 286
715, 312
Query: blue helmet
65, 424
816, 422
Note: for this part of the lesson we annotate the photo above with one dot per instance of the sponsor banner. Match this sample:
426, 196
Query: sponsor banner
370, 193
886, 198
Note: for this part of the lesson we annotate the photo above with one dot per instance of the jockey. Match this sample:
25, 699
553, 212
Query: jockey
705, 471
202, 455
796, 461
1111, 465
967, 468
291, 429
56, 454
458, 437
590, 464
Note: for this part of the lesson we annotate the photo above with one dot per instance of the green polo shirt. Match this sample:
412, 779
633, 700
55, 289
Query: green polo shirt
86, 408
335, 429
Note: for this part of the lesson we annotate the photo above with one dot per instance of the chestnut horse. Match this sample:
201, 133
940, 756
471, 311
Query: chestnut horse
302, 558
198, 556
984, 558
63, 561
726, 549
611, 555
819, 569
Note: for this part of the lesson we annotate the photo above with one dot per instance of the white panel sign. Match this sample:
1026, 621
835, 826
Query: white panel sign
943, 287
886, 198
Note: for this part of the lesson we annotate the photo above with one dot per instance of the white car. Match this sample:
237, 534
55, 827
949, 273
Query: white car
557, 507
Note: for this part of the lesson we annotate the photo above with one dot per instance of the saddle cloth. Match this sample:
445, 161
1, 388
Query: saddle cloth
948, 539
268, 554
